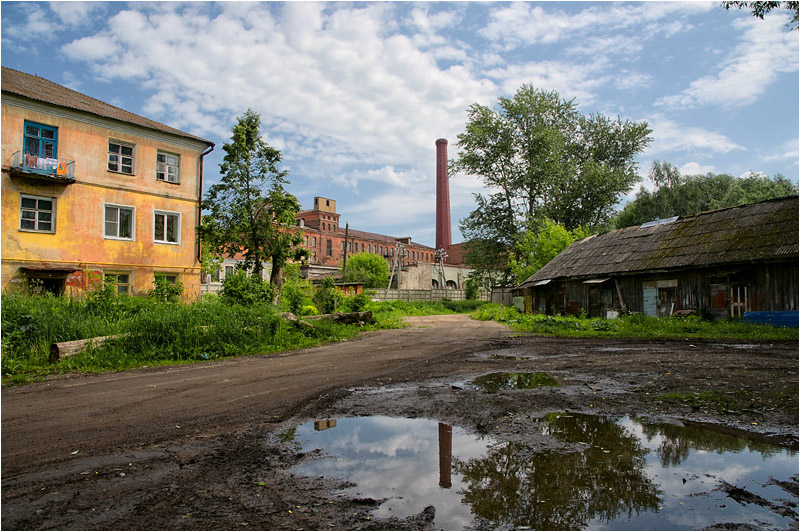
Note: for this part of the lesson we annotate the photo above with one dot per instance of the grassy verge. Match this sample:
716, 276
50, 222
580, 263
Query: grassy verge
160, 334
636, 326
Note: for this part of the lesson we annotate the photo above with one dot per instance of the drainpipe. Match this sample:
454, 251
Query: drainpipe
200, 199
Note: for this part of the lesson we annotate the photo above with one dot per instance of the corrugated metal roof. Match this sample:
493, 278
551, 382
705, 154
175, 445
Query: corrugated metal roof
40, 89
755, 232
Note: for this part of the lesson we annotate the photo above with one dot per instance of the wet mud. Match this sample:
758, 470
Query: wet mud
632, 408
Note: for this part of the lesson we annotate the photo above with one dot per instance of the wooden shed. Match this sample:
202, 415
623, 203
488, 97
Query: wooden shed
723, 263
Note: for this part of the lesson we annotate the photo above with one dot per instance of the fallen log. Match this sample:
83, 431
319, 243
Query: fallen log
345, 317
60, 350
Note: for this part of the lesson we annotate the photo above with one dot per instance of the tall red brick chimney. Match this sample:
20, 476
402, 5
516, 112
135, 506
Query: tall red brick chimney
443, 236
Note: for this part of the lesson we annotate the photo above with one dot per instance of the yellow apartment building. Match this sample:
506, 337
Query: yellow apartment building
90, 190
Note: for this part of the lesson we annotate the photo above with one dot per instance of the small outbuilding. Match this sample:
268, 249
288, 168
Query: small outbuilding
722, 263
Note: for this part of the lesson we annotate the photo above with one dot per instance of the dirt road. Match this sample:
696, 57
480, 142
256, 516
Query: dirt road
181, 447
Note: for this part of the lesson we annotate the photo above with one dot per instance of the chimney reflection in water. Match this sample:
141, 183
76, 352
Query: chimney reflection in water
445, 454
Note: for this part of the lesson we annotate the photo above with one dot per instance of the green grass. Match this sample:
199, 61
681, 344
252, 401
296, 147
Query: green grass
160, 334
635, 326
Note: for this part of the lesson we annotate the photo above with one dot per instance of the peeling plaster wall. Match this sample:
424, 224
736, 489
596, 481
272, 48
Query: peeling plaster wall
78, 241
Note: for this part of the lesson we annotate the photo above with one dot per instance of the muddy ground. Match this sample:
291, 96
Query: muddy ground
201, 447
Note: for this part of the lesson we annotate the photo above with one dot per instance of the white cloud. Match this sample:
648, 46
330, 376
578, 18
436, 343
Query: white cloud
627, 80
569, 80
75, 13
522, 23
669, 135
767, 50
786, 151
693, 168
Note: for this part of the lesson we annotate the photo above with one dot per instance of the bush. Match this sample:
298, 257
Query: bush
327, 296
296, 294
241, 289
164, 291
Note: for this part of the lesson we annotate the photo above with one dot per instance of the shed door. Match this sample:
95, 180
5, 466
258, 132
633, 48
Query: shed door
649, 299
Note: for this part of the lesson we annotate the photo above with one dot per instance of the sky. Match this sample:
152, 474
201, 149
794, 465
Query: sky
355, 94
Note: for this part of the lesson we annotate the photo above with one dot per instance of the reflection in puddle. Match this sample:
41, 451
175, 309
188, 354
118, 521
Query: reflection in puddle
494, 382
627, 474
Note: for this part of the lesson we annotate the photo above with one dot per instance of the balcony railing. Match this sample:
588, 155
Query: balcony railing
47, 168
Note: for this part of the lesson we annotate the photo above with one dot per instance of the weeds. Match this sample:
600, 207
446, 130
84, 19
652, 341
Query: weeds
634, 326
154, 333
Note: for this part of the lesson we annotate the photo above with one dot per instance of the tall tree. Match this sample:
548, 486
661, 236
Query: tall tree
687, 195
542, 159
249, 210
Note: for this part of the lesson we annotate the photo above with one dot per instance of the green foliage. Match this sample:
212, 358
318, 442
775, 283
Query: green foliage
327, 296
540, 245
164, 291
296, 292
368, 268
250, 212
103, 300
633, 326
357, 303
760, 9
243, 289
473, 285
546, 160
684, 196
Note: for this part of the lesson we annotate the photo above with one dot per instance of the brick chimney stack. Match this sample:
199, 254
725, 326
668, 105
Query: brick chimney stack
443, 236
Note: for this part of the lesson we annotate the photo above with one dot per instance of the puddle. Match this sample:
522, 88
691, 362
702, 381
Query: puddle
627, 475
495, 382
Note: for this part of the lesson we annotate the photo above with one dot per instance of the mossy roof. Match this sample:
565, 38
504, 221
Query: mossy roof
765, 231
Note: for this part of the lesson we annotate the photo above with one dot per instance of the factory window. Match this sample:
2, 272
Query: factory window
362, 247
37, 214
313, 242
329, 248
343, 246
305, 237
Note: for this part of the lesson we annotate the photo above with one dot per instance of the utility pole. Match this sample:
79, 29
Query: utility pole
399, 251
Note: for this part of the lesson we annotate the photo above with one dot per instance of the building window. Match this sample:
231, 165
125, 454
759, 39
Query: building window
215, 275
329, 248
167, 227
171, 278
362, 247
119, 222
37, 214
122, 281
40, 141
120, 157
343, 245
313, 242
168, 167
228, 271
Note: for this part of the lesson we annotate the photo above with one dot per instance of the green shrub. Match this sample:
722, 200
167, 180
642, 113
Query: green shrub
327, 297
164, 291
241, 289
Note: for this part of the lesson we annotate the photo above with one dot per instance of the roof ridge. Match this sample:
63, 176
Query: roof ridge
116, 113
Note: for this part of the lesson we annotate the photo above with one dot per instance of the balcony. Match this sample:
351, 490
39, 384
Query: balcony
51, 170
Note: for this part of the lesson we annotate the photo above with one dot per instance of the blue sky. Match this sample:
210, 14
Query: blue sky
355, 94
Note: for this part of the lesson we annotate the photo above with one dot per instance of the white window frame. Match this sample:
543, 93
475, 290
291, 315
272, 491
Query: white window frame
37, 211
166, 215
129, 284
133, 222
163, 167
132, 157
